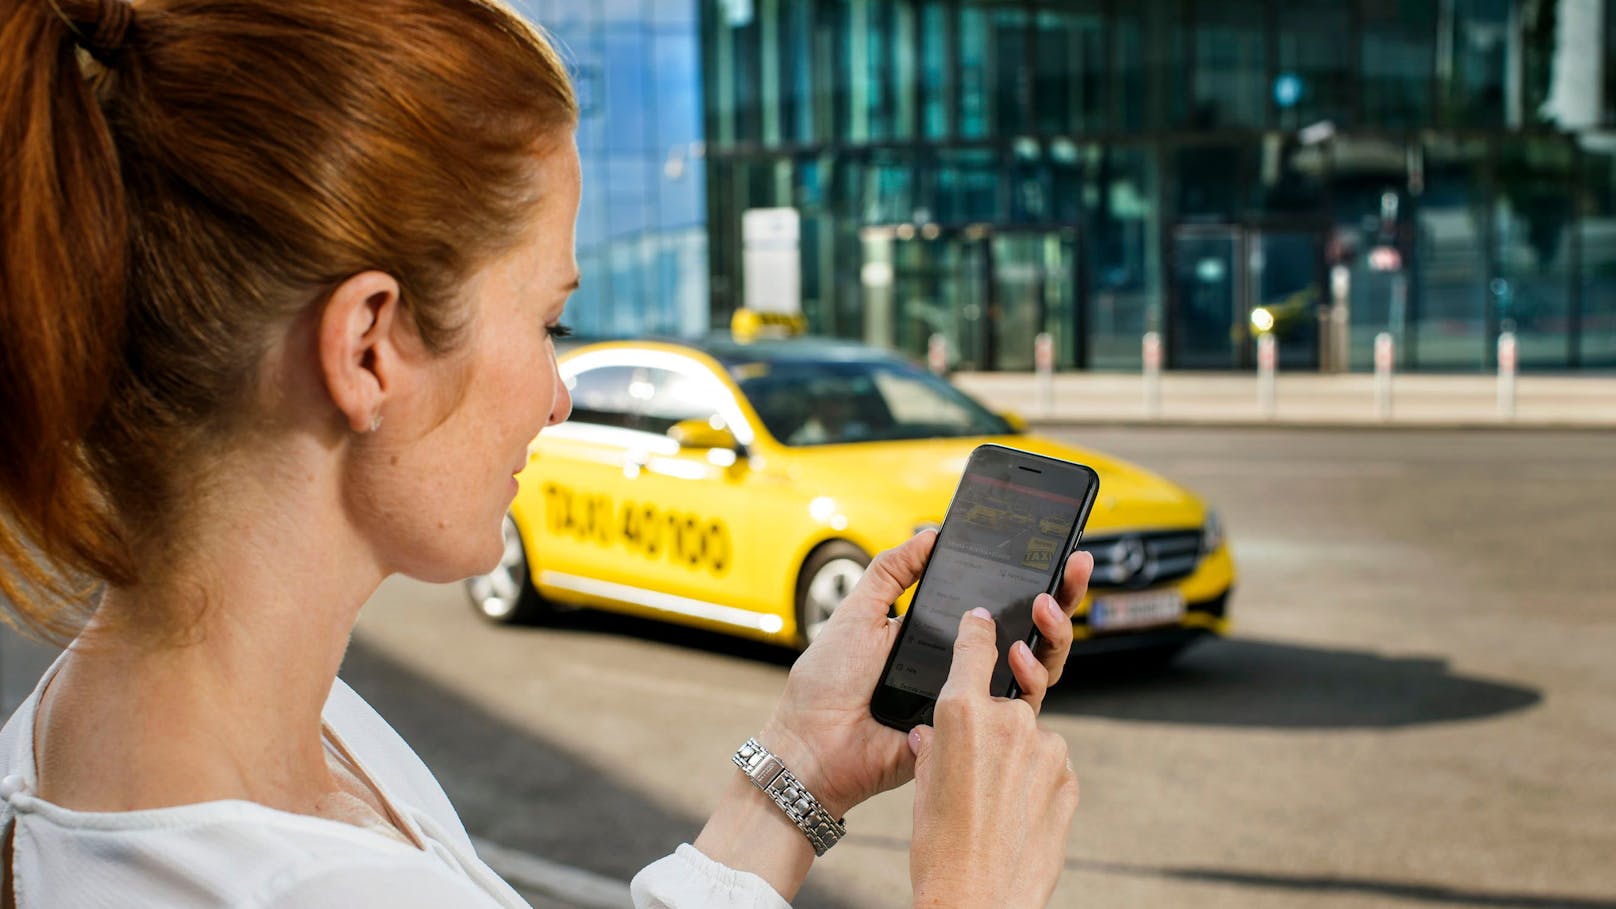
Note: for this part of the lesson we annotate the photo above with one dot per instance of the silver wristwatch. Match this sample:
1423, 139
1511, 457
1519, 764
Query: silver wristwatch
767, 773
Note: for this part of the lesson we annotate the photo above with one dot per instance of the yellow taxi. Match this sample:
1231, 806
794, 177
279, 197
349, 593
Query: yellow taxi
743, 488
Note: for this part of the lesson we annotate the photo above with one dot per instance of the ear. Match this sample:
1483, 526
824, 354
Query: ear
359, 356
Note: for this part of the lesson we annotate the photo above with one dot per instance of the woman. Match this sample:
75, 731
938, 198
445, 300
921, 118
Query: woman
278, 283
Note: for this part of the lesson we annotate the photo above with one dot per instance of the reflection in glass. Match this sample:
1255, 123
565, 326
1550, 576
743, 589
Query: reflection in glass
1231, 64
965, 186
1287, 280
992, 57
1451, 327
1313, 79
936, 70
1034, 276
1206, 330
1069, 86
1371, 208
1397, 61
1482, 50
1532, 224
1212, 179
1123, 264
1598, 235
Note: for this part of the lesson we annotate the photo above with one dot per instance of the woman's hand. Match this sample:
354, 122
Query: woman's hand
822, 728
994, 794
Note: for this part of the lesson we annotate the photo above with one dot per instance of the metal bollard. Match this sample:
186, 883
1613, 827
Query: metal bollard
1152, 355
1507, 362
1043, 359
937, 353
1385, 356
1267, 360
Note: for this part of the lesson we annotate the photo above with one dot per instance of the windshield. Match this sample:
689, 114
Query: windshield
829, 403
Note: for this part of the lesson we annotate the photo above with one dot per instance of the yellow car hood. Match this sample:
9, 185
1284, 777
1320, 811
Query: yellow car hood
919, 477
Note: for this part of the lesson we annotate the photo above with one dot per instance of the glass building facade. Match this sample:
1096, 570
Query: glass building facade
992, 169
642, 238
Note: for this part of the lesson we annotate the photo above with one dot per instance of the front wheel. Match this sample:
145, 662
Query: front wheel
827, 578
505, 595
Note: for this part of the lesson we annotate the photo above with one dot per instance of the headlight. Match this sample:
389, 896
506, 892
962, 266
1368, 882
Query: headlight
1211, 533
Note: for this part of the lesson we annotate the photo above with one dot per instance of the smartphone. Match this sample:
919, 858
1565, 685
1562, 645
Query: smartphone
1013, 520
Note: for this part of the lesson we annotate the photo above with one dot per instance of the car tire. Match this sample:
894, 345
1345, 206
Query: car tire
505, 595
826, 578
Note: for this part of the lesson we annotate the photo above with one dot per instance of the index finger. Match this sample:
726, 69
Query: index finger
976, 653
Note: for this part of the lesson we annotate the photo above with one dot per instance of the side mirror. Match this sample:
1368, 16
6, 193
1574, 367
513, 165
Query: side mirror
1018, 423
701, 434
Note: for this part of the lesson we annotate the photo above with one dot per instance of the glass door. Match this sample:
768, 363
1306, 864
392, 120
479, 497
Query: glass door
1034, 287
1288, 281
1223, 273
1207, 327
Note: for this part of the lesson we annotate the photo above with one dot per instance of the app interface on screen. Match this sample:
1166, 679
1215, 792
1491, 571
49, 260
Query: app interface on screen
1000, 544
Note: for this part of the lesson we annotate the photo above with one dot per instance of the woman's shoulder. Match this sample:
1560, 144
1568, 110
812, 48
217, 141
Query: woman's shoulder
237, 853
220, 854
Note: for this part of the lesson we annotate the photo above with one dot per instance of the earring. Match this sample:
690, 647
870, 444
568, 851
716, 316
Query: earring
376, 422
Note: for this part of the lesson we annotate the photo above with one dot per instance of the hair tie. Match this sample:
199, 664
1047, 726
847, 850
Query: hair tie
103, 37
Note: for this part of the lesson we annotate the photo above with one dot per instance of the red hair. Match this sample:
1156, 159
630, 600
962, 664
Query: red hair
219, 166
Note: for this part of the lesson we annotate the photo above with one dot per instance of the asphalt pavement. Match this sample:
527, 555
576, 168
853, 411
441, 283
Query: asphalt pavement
1414, 709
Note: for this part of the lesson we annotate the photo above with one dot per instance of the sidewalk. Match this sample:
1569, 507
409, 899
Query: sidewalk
1303, 399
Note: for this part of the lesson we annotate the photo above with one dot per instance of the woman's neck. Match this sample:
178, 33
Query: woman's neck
229, 706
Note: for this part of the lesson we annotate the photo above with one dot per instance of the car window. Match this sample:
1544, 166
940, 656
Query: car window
833, 402
672, 397
915, 402
602, 396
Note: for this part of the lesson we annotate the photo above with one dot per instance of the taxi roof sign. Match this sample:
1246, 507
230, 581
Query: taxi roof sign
750, 325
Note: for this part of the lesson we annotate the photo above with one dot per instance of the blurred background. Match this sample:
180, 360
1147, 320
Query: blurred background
1403, 691
992, 169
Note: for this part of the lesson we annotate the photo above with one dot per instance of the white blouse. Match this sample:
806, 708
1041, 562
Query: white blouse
243, 854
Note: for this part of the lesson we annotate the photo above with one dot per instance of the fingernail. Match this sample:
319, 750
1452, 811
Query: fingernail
981, 613
1022, 648
914, 741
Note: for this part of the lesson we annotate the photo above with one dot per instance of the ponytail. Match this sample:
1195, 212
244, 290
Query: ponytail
265, 151
63, 259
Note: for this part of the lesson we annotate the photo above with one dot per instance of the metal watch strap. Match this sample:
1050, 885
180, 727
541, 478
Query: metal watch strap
767, 773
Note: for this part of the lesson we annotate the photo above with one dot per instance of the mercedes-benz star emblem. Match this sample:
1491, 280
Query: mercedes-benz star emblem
1132, 562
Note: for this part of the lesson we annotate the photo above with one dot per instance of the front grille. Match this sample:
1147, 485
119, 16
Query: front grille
1131, 561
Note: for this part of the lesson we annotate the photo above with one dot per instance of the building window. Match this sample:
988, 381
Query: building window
1397, 62
937, 70
1450, 327
1231, 64
1483, 52
1070, 88
992, 59
1312, 79
1597, 227
1121, 243
1534, 230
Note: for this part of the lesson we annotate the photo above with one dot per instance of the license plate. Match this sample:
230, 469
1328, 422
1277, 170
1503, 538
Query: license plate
1136, 610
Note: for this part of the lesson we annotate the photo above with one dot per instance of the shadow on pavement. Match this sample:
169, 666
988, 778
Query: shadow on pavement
590, 621
1232, 682
522, 791
1244, 682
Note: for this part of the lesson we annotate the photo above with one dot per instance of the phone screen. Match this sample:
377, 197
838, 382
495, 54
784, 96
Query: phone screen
1005, 537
